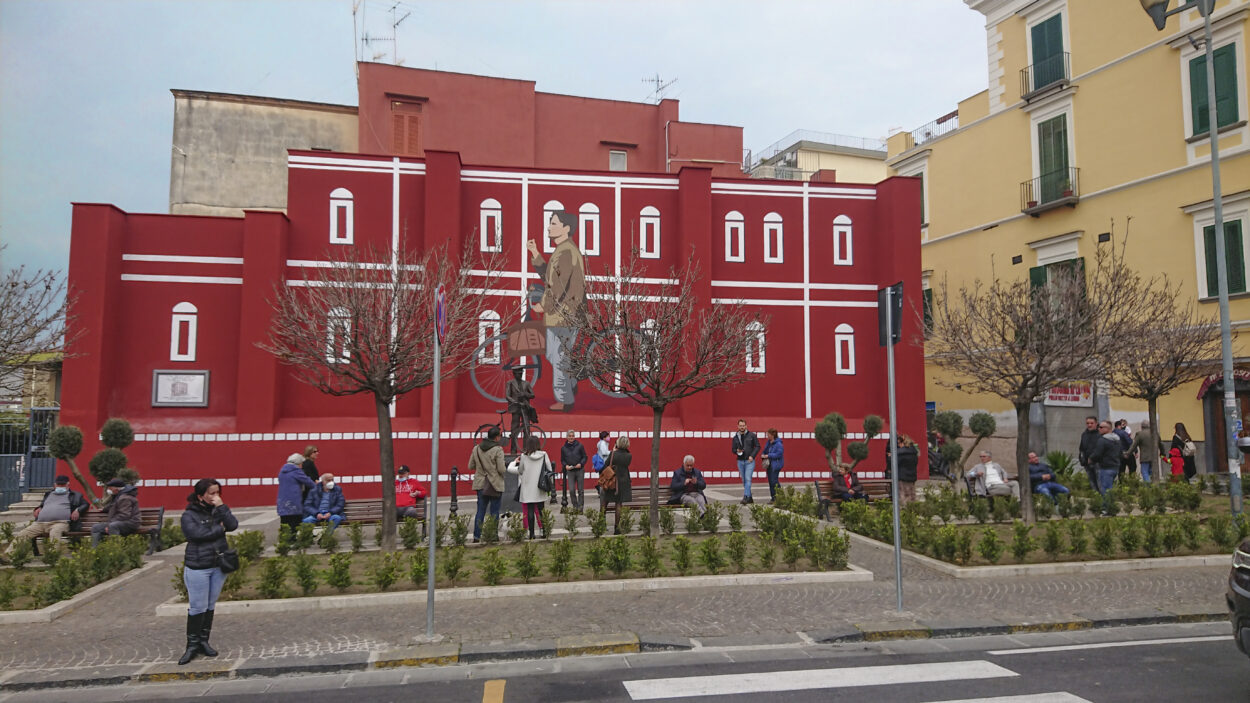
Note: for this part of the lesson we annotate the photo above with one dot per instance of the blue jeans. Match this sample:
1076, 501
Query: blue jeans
745, 469
203, 587
1146, 470
334, 520
774, 480
1050, 489
1106, 478
483, 504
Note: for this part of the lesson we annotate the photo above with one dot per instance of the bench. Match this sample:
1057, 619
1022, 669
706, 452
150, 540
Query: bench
876, 489
642, 499
368, 511
150, 522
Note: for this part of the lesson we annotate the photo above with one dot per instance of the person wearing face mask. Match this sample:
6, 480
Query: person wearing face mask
205, 523
59, 512
325, 503
123, 512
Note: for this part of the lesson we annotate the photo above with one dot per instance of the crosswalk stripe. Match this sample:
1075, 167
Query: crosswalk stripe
1057, 697
1105, 645
762, 682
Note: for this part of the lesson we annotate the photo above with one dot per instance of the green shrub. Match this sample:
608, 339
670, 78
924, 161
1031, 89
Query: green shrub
596, 557
1219, 527
834, 549
440, 532
305, 573
990, 546
570, 523
766, 552
286, 540
734, 512
1078, 540
1191, 532
494, 567
490, 530
1043, 507
620, 557
305, 536
329, 540
23, 552
1147, 497
106, 463
1125, 492
626, 524
384, 570
1052, 540
180, 585
409, 533
668, 522
791, 550
1130, 535
1001, 510
339, 575
737, 548
712, 516
1171, 536
1022, 542
273, 578
235, 580
419, 568
1242, 524
650, 560
8, 590
963, 546
52, 552
1063, 505
516, 528
561, 559
171, 534
65, 442
7, 530
710, 555
453, 564
1062, 464
1152, 534
248, 543
598, 521
356, 536
644, 521
682, 554
980, 509
694, 522
459, 529
548, 522
1104, 534
944, 543
854, 515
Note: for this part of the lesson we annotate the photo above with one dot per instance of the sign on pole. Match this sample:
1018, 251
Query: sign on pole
890, 319
440, 313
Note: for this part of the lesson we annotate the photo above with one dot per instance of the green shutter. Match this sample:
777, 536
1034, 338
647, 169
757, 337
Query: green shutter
1037, 276
1226, 106
1198, 93
1208, 245
1047, 52
1236, 257
1052, 140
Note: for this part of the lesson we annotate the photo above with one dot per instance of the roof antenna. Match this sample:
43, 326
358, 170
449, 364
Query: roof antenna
660, 86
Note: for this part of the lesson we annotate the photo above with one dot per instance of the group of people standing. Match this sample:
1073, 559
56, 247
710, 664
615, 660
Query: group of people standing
1125, 450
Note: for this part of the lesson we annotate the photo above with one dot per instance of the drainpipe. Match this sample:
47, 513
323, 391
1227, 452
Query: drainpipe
667, 160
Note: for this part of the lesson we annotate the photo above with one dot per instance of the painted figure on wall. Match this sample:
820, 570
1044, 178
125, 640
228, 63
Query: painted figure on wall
564, 276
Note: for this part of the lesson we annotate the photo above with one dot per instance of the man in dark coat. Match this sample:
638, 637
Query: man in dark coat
123, 512
1089, 439
745, 447
1105, 457
325, 502
573, 460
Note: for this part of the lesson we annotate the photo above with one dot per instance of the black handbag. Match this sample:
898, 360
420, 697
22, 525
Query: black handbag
546, 478
228, 561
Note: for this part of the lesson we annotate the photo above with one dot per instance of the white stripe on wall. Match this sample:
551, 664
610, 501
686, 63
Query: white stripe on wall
154, 278
178, 259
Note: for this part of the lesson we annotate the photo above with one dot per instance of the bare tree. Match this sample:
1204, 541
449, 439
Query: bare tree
366, 325
32, 320
1017, 339
1168, 346
656, 343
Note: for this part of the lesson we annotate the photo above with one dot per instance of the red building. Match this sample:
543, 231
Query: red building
505, 122
170, 310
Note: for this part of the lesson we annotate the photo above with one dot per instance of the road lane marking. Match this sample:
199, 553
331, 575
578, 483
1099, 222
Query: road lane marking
492, 692
1057, 697
770, 681
1104, 645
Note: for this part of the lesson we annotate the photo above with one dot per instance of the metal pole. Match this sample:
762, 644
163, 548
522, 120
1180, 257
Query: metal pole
1232, 414
898, 537
432, 513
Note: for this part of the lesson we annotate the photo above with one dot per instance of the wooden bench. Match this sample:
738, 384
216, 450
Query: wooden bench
368, 511
876, 489
150, 522
642, 499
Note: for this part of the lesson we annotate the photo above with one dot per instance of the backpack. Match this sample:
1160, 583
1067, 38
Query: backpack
597, 462
607, 477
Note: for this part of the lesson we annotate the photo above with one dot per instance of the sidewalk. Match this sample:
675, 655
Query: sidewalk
119, 638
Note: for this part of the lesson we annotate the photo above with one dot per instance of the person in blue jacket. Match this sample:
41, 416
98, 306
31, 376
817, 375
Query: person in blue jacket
774, 460
293, 486
324, 502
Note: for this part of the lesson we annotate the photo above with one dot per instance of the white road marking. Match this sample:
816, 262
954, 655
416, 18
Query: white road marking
727, 684
1057, 697
1104, 645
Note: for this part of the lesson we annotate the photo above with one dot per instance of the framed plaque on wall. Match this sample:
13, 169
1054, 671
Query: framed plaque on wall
179, 389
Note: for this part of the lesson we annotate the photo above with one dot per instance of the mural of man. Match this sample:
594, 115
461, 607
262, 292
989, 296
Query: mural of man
565, 278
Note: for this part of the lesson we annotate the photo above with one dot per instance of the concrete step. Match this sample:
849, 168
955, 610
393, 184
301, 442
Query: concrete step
37, 496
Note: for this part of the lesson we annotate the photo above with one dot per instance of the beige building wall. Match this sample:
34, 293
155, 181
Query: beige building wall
229, 151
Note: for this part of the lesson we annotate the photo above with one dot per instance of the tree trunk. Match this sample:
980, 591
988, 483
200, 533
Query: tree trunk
656, 415
829, 459
86, 487
1022, 462
386, 459
1152, 414
963, 460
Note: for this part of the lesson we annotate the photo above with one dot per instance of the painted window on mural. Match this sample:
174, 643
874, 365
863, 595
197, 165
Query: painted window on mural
550, 207
588, 229
490, 226
338, 336
774, 252
182, 332
844, 349
843, 241
735, 236
755, 348
649, 237
342, 216
487, 327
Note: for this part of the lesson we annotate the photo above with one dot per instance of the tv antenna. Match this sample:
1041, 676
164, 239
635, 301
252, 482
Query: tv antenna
367, 40
660, 86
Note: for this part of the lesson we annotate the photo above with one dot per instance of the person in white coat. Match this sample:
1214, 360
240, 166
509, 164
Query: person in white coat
530, 466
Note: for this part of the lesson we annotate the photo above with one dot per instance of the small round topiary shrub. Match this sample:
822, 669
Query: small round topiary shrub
65, 442
117, 433
106, 464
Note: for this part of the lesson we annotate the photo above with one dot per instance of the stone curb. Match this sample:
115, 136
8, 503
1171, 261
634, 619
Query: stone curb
447, 654
853, 574
65, 607
1069, 567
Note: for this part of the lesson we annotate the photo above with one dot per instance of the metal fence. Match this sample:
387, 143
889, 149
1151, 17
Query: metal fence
946, 123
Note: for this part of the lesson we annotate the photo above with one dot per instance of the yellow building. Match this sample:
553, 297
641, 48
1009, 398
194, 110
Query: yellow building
804, 154
1093, 123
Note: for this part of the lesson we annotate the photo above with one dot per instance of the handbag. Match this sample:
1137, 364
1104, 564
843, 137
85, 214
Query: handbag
607, 477
228, 561
547, 478
1189, 449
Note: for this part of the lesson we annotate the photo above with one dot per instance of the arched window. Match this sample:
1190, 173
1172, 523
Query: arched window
649, 237
487, 327
182, 329
588, 229
755, 348
774, 251
342, 216
844, 350
735, 236
550, 207
338, 336
490, 226
842, 241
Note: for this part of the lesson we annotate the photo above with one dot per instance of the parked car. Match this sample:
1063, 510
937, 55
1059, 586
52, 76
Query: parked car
1239, 596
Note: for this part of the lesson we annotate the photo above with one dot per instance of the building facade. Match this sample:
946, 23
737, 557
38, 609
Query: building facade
1092, 130
174, 308
806, 155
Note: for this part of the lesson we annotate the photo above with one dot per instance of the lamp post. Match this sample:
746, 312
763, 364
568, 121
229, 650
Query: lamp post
1158, 11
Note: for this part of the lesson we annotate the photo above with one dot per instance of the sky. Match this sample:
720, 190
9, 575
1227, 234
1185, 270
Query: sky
86, 114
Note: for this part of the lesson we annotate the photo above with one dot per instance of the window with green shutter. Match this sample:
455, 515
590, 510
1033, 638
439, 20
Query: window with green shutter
1225, 61
1052, 157
1047, 39
1235, 258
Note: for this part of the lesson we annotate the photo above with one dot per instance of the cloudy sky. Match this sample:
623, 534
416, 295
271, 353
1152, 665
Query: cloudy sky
86, 114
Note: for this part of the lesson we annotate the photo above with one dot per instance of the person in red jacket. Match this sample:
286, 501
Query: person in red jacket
1178, 463
407, 493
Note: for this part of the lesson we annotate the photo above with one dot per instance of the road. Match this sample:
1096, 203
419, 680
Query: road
1154, 663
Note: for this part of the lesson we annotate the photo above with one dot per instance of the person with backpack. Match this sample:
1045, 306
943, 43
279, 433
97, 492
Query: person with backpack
1182, 441
614, 484
602, 449
487, 466
530, 467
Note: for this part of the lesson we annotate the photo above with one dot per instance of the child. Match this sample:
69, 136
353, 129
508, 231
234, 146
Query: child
1178, 463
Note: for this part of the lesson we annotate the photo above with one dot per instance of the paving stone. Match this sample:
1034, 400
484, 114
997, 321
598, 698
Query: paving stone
607, 643
477, 652
61, 678
318, 664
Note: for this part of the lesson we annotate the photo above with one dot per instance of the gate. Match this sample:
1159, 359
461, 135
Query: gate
14, 438
40, 466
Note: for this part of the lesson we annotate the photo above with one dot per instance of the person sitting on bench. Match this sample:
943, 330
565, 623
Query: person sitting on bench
990, 479
688, 485
123, 512
846, 485
324, 502
58, 513
407, 493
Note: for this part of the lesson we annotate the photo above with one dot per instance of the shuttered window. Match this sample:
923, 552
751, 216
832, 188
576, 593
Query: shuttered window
1047, 52
1225, 89
406, 129
1233, 250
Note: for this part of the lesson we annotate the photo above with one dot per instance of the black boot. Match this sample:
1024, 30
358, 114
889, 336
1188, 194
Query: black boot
205, 648
195, 623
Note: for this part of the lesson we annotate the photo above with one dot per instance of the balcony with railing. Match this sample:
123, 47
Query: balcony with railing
1048, 75
1050, 190
946, 123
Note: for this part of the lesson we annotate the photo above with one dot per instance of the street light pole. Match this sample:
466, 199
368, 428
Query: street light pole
1158, 11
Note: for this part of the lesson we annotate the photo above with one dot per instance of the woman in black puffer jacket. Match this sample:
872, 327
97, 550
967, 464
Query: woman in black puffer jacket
205, 524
